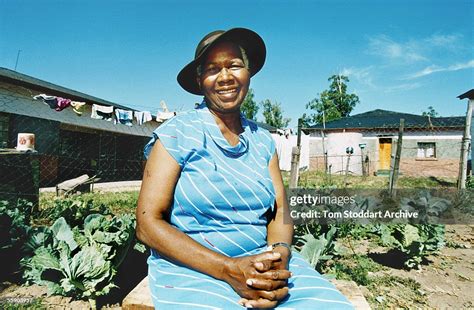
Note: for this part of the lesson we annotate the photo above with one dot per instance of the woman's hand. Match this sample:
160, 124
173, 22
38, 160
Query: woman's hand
240, 273
270, 269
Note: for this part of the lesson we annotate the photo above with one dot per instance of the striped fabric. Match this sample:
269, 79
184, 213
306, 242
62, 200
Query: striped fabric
220, 201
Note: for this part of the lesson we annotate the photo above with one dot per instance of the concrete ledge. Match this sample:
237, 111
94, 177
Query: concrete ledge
140, 299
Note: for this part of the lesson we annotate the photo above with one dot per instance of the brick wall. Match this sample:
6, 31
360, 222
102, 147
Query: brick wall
427, 168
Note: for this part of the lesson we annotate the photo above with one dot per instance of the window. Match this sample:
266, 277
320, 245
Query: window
3, 131
426, 150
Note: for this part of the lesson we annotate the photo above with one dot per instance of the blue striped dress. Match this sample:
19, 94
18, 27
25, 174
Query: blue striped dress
220, 200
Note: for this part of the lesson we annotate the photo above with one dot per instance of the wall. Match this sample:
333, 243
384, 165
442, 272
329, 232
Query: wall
446, 163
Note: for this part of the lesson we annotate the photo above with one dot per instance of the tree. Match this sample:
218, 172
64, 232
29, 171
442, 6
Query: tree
431, 112
273, 114
332, 103
249, 107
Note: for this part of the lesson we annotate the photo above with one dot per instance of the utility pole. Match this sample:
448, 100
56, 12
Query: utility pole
466, 140
295, 158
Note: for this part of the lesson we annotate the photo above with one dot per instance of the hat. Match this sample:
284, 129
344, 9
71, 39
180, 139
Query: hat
250, 41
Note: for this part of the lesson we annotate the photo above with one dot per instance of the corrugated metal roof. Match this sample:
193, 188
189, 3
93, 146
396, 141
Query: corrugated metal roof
18, 99
53, 89
390, 119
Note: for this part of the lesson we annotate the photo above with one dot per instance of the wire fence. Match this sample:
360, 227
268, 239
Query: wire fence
431, 147
62, 150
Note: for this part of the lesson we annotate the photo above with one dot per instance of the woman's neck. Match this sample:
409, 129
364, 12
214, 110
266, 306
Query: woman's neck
228, 122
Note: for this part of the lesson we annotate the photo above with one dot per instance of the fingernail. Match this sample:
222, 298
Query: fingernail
249, 282
291, 274
276, 254
248, 306
258, 265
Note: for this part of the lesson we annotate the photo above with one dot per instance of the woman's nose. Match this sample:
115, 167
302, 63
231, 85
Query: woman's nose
225, 75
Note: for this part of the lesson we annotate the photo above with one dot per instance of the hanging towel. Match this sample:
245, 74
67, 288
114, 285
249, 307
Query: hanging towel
163, 116
142, 117
102, 112
51, 101
62, 103
124, 117
78, 107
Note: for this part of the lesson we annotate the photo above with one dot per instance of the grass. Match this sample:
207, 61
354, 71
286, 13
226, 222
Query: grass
117, 202
318, 179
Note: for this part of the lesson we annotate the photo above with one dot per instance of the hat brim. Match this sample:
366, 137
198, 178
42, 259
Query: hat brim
249, 40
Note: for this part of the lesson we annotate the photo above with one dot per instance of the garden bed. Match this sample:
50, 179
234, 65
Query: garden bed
442, 279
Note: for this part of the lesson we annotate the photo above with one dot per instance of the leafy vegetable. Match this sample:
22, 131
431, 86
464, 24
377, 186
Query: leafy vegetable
416, 242
315, 251
80, 262
14, 231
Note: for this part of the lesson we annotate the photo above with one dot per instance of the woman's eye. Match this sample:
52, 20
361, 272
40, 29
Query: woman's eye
211, 70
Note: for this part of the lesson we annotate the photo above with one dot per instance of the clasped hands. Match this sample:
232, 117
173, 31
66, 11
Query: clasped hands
261, 280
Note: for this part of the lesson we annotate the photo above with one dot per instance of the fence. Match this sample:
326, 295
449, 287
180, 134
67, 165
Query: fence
431, 147
63, 149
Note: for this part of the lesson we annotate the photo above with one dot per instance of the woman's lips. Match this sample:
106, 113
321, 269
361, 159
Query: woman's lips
227, 93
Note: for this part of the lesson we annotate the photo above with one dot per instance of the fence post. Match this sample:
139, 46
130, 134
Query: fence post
295, 158
396, 164
325, 155
466, 139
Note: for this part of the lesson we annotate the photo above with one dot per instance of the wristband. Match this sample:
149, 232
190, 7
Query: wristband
277, 244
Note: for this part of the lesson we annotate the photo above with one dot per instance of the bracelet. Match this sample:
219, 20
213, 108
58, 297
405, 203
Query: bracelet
277, 244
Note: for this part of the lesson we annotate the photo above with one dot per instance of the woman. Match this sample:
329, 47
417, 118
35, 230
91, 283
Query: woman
212, 204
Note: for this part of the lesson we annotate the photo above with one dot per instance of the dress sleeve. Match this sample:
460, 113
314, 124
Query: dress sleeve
269, 145
167, 133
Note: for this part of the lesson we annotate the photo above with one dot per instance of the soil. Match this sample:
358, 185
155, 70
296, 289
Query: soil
445, 281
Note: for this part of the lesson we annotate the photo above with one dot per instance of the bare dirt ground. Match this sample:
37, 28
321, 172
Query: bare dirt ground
446, 281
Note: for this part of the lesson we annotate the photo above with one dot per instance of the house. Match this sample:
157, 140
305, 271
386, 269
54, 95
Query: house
68, 145
431, 145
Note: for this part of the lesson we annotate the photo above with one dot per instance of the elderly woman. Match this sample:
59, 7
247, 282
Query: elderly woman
212, 204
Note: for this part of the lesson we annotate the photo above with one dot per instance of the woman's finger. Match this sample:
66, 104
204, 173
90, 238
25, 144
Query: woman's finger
274, 295
267, 285
261, 303
263, 262
263, 265
276, 274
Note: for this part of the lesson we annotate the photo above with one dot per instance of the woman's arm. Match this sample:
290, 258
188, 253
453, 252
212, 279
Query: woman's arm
280, 225
156, 197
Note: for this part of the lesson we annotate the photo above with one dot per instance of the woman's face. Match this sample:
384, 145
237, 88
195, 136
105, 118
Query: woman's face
224, 80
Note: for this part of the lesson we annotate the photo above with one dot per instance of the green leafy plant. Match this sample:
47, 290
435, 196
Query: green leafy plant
14, 231
317, 250
73, 209
416, 242
80, 261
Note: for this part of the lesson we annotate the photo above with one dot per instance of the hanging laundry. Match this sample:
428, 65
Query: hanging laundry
163, 116
62, 103
78, 107
123, 117
102, 112
143, 117
51, 101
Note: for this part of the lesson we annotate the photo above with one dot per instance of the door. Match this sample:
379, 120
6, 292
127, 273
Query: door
385, 152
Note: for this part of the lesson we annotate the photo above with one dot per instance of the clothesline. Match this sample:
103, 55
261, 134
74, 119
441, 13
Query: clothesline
106, 113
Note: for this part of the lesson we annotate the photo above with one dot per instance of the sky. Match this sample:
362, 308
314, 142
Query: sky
402, 55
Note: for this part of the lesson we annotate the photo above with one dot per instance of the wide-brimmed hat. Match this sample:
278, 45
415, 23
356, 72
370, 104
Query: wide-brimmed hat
250, 41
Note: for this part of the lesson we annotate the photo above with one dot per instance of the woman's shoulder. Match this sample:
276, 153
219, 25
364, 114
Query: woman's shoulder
182, 120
